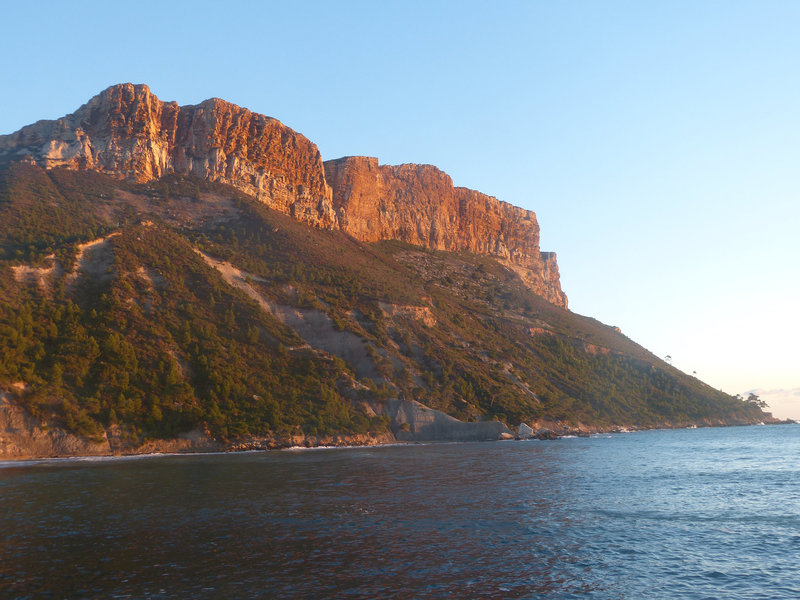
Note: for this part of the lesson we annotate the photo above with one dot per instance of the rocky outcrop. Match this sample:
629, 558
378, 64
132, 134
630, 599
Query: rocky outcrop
23, 436
127, 132
415, 422
418, 204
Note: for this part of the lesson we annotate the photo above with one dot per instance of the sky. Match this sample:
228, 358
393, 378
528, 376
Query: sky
657, 142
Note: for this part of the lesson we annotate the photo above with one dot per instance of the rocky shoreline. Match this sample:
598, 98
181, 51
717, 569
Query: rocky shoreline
23, 437
194, 444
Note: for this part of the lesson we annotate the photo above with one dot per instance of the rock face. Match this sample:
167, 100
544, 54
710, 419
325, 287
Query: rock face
418, 204
22, 436
414, 422
128, 133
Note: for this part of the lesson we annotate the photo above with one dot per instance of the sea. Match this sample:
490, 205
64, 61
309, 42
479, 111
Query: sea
695, 513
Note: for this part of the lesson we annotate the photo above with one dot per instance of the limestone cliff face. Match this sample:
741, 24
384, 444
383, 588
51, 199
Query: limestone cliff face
127, 132
419, 204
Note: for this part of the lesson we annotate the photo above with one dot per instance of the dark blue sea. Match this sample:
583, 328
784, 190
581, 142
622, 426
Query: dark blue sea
701, 513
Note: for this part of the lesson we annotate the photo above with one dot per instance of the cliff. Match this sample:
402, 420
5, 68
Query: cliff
128, 133
418, 204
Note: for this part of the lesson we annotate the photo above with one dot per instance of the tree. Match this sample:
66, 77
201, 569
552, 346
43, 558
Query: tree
753, 398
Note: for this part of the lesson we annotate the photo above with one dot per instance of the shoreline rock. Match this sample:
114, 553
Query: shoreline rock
23, 437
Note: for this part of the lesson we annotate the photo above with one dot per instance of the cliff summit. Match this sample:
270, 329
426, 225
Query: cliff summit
128, 133
419, 205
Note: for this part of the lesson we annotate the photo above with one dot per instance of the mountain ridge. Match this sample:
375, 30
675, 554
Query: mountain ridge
178, 313
419, 204
127, 132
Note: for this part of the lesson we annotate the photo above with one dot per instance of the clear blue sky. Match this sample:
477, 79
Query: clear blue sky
658, 142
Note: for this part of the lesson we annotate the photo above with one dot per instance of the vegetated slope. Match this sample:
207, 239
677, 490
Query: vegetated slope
160, 308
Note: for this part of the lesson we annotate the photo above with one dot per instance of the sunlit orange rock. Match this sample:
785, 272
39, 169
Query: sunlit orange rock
128, 133
418, 204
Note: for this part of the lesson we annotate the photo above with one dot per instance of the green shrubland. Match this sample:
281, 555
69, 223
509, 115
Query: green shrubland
158, 343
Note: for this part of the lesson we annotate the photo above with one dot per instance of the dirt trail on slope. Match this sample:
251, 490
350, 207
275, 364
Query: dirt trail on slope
314, 326
40, 276
94, 258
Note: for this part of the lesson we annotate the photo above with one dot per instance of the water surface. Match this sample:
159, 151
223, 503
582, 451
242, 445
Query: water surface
705, 513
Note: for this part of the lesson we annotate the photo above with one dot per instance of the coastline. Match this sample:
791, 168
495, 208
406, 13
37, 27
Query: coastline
24, 437
179, 447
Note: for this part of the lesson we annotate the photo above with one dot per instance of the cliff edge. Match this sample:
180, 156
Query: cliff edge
128, 133
420, 205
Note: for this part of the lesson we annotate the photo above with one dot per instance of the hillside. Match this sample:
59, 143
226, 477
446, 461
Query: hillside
134, 312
